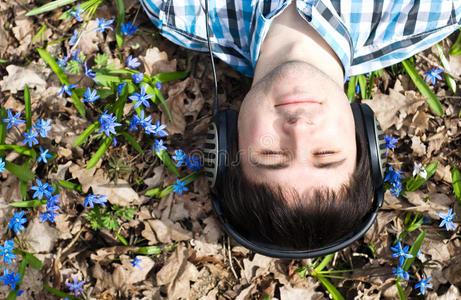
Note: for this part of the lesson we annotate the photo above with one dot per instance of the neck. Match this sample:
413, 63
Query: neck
291, 38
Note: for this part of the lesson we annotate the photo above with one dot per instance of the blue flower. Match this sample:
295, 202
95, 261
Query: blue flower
103, 24
128, 28
43, 127
66, 89
132, 62
73, 38
76, 56
108, 124
158, 146
144, 122
433, 75
393, 176
90, 95
390, 142
120, 88
48, 215
44, 155
401, 253
76, 13
2, 165
158, 85
180, 157
396, 188
141, 98
13, 120
17, 221
6, 252
179, 187
89, 72
76, 286
31, 137
399, 272
138, 77
91, 199
423, 285
134, 122
52, 203
193, 163
447, 220
135, 263
158, 129
10, 278
40, 190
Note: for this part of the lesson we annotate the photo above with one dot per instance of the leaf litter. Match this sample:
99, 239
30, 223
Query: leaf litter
197, 260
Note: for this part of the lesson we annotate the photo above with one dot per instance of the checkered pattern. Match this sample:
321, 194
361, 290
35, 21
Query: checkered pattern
366, 35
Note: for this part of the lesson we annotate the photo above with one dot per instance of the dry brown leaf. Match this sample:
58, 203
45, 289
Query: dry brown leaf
90, 40
290, 293
417, 146
19, 76
177, 274
135, 274
258, 266
40, 237
156, 61
166, 231
393, 108
451, 294
246, 293
184, 100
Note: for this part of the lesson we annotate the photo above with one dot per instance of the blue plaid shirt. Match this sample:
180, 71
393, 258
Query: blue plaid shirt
366, 35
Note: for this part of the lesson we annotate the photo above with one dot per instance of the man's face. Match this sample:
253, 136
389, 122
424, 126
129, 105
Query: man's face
296, 129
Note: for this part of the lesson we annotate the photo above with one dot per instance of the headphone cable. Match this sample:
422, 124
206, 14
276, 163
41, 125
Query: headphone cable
215, 100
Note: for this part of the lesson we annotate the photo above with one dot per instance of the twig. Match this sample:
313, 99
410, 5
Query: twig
230, 258
73, 240
434, 64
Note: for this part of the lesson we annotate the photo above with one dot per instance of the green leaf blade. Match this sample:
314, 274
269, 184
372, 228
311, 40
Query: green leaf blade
48, 7
84, 136
27, 107
456, 182
99, 153
424, 89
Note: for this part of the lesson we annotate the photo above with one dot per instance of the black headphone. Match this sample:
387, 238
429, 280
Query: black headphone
221, 135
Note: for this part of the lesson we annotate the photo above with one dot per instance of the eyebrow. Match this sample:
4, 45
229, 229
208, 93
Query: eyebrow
284, 165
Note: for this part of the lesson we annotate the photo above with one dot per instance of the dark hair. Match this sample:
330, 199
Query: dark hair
306, 222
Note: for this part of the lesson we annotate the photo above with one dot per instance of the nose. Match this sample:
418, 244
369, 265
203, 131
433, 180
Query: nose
299, 133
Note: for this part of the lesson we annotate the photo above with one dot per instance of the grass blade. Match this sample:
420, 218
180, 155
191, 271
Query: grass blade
149, 250
98, 154
122, 239
59, 293
44, 27
159, 96
363, 86
414, 183
23, 188
456, 47
70, 185
400, 291
84, 136
27, 106
22, 172
29, 203
446, 65
351, 88
456, 181
20, 149
62, 77
422, 86
188, 179
3, 130
120, 20
330, 287
169, 76
166, 159
48, 7
414, 250
132, 141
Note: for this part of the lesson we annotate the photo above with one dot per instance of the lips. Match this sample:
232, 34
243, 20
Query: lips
295, 100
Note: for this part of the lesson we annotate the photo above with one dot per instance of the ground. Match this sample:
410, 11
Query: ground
197, 260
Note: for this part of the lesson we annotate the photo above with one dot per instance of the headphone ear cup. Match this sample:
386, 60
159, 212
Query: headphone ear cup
368, 126
221, 136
